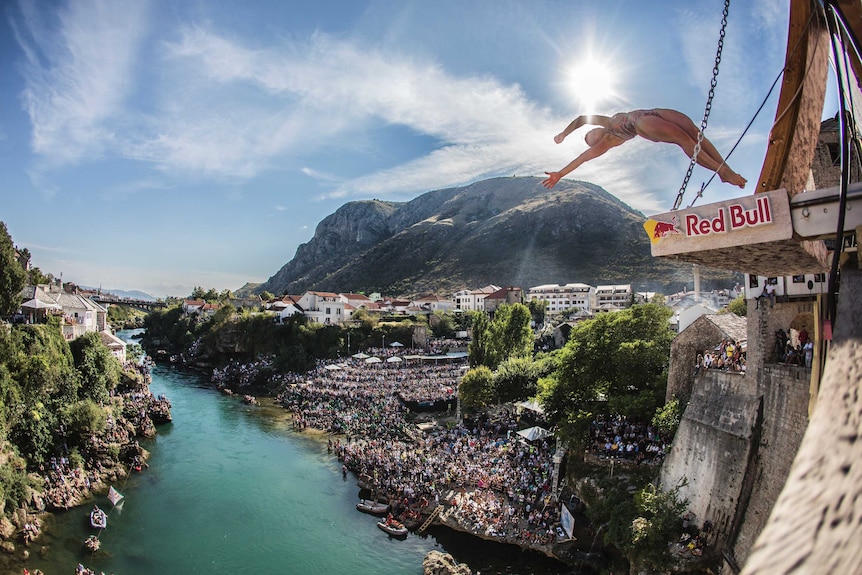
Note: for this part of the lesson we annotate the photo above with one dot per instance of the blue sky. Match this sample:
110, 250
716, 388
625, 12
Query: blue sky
161, 145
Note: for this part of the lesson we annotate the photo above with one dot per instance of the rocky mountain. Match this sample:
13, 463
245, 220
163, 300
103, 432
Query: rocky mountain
505, 231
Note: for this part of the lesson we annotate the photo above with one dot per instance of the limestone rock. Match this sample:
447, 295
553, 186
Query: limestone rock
437, 563
7, 547
7, 530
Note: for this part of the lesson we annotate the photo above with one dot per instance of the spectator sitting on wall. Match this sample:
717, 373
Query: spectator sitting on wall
768, 292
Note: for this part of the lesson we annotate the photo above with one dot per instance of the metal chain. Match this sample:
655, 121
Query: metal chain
707, 110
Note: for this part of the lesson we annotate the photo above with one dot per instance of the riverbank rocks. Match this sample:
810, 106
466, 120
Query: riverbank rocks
7, 530
437, 563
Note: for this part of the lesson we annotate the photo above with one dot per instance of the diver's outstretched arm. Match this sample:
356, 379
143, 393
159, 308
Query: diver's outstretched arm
607, 142
592, 119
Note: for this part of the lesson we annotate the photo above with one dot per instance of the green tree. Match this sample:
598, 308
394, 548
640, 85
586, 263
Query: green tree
266, 296
99, 370
37, 277
656, 526
667, 418
538, 310
515, 379
32, 433
620, 358
81, 420
510, 335
442, 324
12, 275
479, 348
477, 387
739, 306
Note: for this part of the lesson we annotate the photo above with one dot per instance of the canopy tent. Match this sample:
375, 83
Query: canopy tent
373, 360
393, 359
360, 355
531, 405
396, 344
39, 304
534, 433
332, 367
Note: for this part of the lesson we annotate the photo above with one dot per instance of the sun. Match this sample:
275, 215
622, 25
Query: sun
592, 81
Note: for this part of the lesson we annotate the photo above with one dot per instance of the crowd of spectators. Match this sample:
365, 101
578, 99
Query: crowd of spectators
366, 399
618, 438
793, 347
494, 483
242, 374
729, 356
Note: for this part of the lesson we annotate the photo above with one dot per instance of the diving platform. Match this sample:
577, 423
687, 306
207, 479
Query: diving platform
765, 234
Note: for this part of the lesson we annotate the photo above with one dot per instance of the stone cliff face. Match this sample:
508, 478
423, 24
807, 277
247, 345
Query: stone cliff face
346, 234
506, 231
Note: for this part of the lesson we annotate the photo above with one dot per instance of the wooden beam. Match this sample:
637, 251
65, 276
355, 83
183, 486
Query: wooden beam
794, 134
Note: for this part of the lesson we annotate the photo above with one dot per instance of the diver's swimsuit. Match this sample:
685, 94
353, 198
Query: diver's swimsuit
622, 125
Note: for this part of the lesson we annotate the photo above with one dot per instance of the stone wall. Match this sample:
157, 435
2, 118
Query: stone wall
711, 451
814, 527
739, 434
785, 418
698, 337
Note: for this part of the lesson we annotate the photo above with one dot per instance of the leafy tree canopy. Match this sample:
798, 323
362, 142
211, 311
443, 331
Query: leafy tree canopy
617, 360
99, 370
476, 387
12, 275
738, 306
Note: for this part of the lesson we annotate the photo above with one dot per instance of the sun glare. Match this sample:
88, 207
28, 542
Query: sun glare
592, 82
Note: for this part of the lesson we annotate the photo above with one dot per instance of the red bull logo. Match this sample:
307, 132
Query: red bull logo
658, 230
727, 218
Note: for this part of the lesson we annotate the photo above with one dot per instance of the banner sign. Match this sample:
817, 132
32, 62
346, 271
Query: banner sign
754, 219
567, 520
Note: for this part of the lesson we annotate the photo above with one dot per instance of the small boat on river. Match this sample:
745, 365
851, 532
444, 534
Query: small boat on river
393, 528
92, 543
98, 518
372, 507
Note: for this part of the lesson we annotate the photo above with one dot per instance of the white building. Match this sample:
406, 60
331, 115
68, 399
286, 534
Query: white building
114, 344
473, 300
323, 307
433, 302
80, 314
612, 298
791, 287
560, 298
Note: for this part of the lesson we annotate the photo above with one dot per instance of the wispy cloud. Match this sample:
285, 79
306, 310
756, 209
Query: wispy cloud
78, 73
223, 110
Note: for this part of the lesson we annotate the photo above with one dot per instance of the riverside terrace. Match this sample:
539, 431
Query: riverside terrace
490, 481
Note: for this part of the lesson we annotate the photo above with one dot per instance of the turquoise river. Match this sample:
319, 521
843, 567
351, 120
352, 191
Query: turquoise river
231, 489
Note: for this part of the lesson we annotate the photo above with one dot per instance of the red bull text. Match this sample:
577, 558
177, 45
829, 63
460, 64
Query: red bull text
733, 217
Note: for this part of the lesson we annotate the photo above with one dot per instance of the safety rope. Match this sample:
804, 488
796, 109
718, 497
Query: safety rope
708, 109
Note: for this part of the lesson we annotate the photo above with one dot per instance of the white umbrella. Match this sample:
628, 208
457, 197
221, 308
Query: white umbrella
534, 433
360, 355
332, 367
396, 344
373, 360
393, 359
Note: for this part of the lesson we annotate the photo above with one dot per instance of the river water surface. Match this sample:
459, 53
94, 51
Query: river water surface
231, 489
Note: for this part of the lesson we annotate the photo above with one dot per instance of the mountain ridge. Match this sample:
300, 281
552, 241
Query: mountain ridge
505, 231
